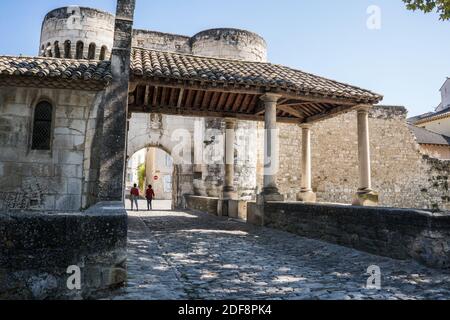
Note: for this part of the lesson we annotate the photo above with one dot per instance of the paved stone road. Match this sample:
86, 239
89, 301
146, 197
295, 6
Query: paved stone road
185, 255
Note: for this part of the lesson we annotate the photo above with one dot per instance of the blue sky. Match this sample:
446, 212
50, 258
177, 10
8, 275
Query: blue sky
407, 60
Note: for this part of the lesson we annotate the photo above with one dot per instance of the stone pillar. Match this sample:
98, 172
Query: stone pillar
306, 194
365, 195
150, 165
229, 190
115, 107
271, 149
229, 194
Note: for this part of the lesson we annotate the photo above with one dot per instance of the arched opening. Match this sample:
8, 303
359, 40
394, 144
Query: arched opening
79, 50
49, 50
68, 49
155, 167
57, 50
43, 50
42, 126
103, 53
91, 53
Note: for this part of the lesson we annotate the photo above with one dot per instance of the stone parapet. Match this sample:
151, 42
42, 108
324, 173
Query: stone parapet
397, 233
203, 204
36, 250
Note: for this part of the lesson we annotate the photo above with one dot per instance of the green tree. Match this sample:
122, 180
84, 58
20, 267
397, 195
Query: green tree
141, 176
440, 6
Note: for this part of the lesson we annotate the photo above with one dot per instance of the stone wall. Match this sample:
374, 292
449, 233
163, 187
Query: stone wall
436, 151
395, 233
203, 204
47, 180
441, 126
161, 41
401, 174
36, 250
220, 43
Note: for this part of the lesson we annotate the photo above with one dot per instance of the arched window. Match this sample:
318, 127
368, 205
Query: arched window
68, 49
42, 126
49, 50
91, 53
103, 53
57, 50
80, 48
43, 50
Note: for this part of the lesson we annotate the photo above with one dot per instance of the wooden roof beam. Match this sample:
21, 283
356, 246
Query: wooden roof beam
292, 111
214, 114
333, 113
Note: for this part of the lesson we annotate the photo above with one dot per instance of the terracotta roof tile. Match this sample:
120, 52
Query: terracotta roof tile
425, 136
55, 68
152, 63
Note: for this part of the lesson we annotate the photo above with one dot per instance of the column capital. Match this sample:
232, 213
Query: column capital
271, 97
230, 121
306, 126
364, 108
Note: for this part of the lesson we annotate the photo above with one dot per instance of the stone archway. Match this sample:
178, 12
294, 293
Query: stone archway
157, 131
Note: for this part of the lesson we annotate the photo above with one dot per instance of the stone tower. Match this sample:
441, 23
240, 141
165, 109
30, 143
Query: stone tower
230, 43
77, 33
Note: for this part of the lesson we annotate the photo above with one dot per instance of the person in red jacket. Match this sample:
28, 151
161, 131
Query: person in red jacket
150, 195
134, 196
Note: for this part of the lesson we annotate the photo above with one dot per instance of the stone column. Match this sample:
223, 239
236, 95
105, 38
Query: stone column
365, 195
306, 194
115, 107
271, 149
229, 190
150, 165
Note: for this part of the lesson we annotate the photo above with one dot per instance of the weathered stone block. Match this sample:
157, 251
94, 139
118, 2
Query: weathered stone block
68, 202
204, 204
255, 214
366, 199
74, 186
38, 248
237, 209
70, 157
307, 197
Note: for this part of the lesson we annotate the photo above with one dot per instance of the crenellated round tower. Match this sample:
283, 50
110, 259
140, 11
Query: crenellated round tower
77, 33
230, 43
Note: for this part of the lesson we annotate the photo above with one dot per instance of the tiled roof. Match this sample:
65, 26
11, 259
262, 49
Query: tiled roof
424, 136
55, 68
431, 116
174, 66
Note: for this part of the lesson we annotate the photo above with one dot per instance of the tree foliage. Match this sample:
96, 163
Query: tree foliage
442, 7
141, 176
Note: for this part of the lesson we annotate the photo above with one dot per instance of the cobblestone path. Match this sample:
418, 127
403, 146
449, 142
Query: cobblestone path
186, 255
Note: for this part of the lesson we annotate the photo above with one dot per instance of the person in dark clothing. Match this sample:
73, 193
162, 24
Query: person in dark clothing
150, 195
134, 196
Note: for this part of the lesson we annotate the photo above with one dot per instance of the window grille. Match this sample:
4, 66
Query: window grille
42, 126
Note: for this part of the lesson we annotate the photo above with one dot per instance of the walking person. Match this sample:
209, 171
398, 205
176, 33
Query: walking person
134, 196
150, 195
